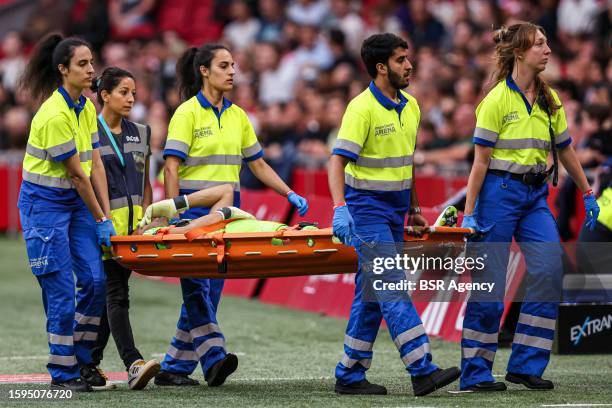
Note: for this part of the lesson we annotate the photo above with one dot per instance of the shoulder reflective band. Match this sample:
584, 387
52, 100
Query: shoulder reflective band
111, 138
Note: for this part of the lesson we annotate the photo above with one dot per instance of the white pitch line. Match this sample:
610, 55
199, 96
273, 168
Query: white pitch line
12, 358
577, 405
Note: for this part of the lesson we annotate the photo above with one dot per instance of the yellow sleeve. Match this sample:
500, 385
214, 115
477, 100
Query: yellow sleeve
488, 122
352, 135
180, 135
251, 149
58, 138
93, 126
559, 124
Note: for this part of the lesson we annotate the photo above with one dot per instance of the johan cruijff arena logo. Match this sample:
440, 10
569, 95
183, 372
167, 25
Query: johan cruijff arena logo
590, 327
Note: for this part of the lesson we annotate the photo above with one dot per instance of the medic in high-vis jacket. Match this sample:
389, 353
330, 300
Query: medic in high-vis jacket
518, 123
371, 181
63, 223
208, 138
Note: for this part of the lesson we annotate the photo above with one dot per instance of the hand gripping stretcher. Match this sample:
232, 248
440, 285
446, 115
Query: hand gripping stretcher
208, 253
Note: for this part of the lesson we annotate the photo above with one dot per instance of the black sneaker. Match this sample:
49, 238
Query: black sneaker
487, 386
427, 384
76, 385
530, 381
166, 378
93, 375
217, 374
364, 387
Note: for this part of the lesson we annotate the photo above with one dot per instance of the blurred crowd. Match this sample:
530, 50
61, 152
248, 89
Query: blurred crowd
298, 65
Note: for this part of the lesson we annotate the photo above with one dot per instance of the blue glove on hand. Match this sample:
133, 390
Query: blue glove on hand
105, 230
343, 224
470, 222
592, 210
298, 202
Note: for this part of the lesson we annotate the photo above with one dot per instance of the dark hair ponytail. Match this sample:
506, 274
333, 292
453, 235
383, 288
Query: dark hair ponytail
190, 80
41, 75
108, 81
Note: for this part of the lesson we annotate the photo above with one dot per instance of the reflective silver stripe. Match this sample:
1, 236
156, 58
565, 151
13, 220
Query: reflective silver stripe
251, 150
350, 362
536, 321
416, 354
106, 150
379, 185
95, 138
470, 334
204, 330
86, 156
123, 202
498, 164
210, 343
485, 134
562, 137
348, 146
183, 336
82, 319
373, 162
38, 153
177, 145
46, 180
85, 335
223, 159
62, 148
135, 147
60, 340
357, 344
68, 361
532, 341
408, 335
202, 184
187, 355
472, 352
529, 143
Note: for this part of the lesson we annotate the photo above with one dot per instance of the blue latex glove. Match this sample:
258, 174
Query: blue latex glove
469, 221
592, 211
298, 202
343, 224
105, 230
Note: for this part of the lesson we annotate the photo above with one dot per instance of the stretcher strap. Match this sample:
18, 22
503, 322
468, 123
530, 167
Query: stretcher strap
198, 232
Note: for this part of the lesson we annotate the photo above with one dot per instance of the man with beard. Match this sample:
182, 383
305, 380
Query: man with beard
371, 181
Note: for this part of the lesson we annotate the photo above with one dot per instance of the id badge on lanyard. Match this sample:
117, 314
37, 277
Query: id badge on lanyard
111, 138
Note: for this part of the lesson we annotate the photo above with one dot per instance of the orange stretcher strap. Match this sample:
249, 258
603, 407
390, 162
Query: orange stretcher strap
198, 232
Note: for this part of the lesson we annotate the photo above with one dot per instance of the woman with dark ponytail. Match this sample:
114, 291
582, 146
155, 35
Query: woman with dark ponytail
63, 204
208, 138
518, 122
125, 151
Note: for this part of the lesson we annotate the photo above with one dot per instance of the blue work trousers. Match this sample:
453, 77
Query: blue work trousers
508, 208
405, 326
62, 246
198, 336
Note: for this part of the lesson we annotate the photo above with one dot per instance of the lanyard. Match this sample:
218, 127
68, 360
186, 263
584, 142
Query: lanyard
111, 138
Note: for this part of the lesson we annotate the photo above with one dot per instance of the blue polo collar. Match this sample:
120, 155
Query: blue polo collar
206, 104
512, 85
77, 108
386, 102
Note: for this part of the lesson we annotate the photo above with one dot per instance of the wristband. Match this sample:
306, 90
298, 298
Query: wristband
289, 193
180, 202
100, 220
341, 204
589, 192
414, 211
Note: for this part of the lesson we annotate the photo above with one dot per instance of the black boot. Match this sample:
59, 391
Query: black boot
487, 386
217, 374
530, 381
76, 385
165, 378
427, 384
93, 375
364, 387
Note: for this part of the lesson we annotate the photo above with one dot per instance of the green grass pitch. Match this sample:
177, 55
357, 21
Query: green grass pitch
287, 357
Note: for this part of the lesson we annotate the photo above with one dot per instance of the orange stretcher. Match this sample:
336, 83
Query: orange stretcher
289, 252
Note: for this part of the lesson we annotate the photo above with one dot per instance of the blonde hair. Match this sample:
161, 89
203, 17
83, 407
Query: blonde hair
520, 37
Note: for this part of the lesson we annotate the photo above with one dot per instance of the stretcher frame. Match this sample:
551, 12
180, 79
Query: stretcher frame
251, 255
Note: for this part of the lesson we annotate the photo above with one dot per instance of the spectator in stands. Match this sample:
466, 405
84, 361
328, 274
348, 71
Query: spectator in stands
131, 19
307, 12
277, 76
13, 62
89, 20
243, 28
423, 28
272, 20
343, 17
313, 53
15, 129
